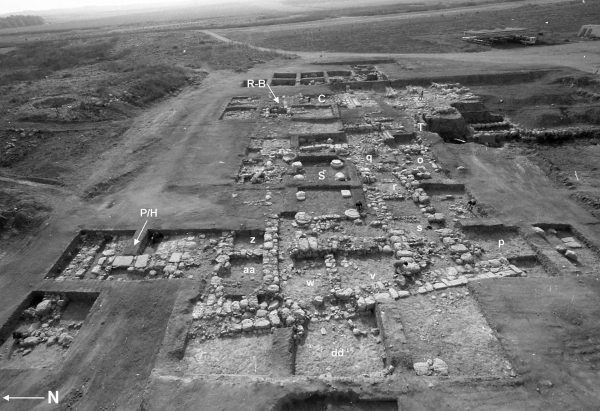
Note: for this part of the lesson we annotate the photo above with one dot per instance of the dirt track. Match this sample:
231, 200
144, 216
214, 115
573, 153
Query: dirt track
582, 56
178, 157
403, 16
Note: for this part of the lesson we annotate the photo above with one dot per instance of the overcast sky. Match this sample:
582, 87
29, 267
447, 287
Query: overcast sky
13, 6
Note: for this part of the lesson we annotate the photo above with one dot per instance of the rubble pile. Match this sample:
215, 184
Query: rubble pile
42, 324
173, 257
217, 315
436, 366
256, 172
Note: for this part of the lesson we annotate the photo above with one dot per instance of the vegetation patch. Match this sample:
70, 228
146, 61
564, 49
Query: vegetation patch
36, 60
19, 212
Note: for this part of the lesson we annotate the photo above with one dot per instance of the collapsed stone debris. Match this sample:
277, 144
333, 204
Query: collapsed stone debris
369, 219
42, 324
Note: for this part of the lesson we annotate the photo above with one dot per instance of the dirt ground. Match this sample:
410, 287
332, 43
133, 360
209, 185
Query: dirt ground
549, 332
431, 32
528, 342
465, 341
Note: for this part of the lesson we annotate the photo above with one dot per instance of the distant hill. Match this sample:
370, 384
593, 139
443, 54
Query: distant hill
20, 21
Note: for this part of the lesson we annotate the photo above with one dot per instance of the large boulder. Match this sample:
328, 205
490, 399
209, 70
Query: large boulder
458, 248
247, 325
422, 368
410, 268
344, 294
65, 339
43, 307
274, 319
30, 342
262, 324
440, 366
571, 255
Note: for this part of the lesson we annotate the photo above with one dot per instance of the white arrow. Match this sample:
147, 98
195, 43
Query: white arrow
8, 398
136, 241
275, 98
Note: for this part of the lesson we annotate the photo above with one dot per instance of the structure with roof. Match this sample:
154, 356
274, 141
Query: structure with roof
495, 36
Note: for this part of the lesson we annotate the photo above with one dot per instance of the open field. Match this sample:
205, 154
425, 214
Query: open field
224, 15
76, 100
373, 231
431, 32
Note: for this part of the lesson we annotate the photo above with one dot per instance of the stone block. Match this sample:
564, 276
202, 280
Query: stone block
122, 261
403, 294
383, 298
141, 261
515, 269
175, 258
439, 286
458, 248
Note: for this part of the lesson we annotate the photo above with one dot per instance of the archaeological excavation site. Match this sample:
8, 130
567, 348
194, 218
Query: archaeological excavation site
245, 212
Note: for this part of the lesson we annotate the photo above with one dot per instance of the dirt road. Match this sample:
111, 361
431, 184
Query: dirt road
584, 56
402, 16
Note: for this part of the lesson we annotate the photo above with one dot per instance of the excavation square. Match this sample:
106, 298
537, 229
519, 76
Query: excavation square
246, 270
160, 254
305, 141
247, 240
452, 328
85, 249
530, 265
443, 189
405, 211
254, 170
283, 82
309, 111
340, 75
454, 206
353, 230
375, 271
337, 402
274, 146
42, 329
308, 279
317, 201
324, 174
245, 355
243, 101
498, 241
312, 81
312, 74
332, 128
284, 75
565, 241
332, 347
239, 113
